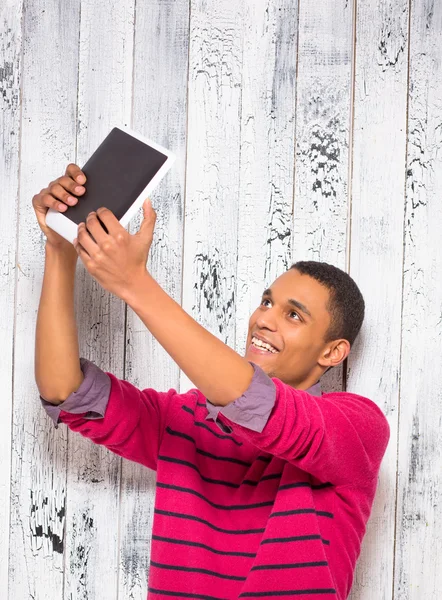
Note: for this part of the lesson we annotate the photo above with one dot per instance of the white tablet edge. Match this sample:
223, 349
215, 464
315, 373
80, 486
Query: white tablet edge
68, 229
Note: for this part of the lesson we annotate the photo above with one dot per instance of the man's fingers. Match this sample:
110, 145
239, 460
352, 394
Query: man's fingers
96, 229
74, 171
59, 192
86, 240
82, 252
110, 221
69, 185
51, 202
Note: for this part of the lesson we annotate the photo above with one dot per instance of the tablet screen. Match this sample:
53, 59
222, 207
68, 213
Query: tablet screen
117, 173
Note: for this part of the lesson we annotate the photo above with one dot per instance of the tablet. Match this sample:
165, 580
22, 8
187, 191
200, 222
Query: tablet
120, 175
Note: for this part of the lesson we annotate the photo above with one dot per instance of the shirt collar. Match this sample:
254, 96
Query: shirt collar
315, 389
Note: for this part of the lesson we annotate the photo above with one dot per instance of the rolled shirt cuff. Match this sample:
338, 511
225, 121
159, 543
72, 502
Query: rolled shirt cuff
91, 398
253, 408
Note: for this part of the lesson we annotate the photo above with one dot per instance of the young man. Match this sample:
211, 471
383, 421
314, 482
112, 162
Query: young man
264, 483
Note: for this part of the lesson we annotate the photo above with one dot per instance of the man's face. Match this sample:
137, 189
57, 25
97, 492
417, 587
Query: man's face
297, 335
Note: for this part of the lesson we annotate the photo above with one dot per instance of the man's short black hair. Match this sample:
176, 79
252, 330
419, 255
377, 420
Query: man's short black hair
346, 304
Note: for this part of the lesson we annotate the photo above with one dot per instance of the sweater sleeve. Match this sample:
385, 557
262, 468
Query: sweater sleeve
114, 413
338, 437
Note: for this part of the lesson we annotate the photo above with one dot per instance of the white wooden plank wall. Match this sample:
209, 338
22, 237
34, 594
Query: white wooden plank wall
418, 548
303, 131
376, 254
38, 454
11, 41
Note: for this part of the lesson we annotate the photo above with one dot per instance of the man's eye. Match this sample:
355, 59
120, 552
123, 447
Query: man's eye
292, 312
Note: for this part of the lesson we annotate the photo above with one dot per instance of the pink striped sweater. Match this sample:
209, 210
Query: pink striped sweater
267, 497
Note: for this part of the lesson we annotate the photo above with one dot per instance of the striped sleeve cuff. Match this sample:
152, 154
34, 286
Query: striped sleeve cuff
252, 409
91, 398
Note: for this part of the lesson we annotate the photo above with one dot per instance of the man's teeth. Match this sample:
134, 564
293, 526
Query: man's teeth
264, 345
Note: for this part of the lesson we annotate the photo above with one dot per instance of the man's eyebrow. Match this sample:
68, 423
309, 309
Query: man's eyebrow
295, 303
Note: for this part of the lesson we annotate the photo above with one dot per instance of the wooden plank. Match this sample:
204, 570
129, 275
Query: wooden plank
323, 106
419, 510
38, 485
211, 215
267, 151
104, 100
159, 112
380, 102
10, 81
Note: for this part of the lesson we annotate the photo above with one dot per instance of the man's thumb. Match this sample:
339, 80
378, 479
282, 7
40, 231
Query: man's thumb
149, 218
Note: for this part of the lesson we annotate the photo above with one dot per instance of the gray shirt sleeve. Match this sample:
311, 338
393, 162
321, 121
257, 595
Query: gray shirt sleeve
91, 397
253, 408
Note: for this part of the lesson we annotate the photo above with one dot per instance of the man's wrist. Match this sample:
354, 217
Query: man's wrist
135, 296
65, 252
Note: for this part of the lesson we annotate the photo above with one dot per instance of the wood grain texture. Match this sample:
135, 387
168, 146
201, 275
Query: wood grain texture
160, 113
10, 81
211, 213
289, 121
419, 508
38, 484
323, 101
105, 68
267, 150
380, 103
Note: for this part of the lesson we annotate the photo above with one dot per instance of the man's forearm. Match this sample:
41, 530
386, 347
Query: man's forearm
57, 361
219, 372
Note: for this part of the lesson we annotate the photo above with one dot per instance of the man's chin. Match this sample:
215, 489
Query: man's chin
262, 362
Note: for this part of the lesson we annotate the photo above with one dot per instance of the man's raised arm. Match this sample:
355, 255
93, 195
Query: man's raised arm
57, 361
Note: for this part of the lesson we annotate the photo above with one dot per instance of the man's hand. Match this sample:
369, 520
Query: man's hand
116, 259
59, 194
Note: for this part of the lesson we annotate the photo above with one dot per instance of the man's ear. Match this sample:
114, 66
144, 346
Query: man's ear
335, 353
